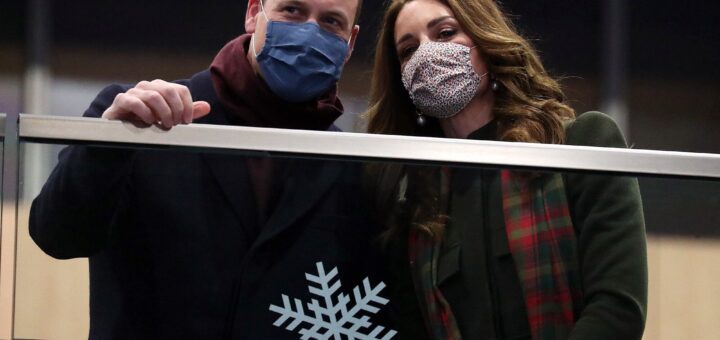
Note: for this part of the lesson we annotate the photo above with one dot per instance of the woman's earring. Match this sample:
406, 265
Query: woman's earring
494, 86
420, 119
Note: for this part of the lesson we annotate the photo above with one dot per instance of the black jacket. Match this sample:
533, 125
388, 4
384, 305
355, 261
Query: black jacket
167, 235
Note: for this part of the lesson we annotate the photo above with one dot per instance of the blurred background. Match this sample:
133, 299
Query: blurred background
653, 65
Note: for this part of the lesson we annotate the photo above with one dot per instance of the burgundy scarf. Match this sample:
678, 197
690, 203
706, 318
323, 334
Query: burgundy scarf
250, 102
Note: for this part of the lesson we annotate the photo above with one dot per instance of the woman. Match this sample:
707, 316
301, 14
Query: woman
484, 254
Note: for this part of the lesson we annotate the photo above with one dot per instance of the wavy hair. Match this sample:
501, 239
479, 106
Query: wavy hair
529, 107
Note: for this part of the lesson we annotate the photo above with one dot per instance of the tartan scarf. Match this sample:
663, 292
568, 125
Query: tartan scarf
542, 242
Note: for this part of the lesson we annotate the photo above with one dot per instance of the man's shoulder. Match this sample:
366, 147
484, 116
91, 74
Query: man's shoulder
201, 86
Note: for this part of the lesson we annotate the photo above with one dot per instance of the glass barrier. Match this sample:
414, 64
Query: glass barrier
187, 242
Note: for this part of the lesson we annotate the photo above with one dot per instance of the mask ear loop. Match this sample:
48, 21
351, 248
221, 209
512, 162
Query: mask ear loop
484, 74
493, 84
350, 49
252, 40
262, 10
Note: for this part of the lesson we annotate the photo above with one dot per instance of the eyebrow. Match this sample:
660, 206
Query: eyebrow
290, 2
340, 15
430, 25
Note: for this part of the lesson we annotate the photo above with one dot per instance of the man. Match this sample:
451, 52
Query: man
195, 245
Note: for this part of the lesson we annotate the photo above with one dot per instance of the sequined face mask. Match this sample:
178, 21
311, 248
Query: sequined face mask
440, 78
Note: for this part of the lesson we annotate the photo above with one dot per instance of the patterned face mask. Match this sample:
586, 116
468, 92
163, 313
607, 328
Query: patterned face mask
440, 78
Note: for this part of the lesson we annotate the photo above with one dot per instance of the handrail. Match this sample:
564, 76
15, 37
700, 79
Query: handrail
54, 129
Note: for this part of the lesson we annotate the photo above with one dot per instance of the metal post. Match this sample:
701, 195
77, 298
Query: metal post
38, 79
8, 229
614, 65
36, 94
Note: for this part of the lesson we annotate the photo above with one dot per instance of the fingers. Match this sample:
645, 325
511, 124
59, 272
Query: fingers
187, 103
200, 109
157, 101
176, 97
128, 107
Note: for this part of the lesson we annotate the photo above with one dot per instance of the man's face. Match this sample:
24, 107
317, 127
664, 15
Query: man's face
334, 16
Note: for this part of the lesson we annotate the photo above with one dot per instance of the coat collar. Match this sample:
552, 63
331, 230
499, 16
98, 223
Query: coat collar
249, 101
306, 183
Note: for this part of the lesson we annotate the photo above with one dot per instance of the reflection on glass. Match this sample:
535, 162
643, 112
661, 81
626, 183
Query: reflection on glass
226, 243
203, 244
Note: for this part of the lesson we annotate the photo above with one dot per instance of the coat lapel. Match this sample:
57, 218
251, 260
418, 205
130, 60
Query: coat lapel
230, 170
307, 183
232, 176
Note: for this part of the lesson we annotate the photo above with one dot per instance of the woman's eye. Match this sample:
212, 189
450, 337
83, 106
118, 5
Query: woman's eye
447, 33
407, 52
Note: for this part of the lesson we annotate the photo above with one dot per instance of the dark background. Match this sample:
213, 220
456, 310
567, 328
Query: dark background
672, 87
672, 39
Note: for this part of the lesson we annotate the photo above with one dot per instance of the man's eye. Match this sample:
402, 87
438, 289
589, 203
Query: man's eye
333, 21
291, 10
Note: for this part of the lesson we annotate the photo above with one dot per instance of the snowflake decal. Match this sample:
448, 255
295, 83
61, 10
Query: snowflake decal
327, 318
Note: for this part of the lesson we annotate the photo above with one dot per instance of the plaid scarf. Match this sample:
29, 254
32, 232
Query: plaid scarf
542, 241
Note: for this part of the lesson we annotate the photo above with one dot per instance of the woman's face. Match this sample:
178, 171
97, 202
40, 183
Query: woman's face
424, 21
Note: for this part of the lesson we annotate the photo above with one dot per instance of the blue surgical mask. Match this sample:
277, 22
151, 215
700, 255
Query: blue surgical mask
300, 62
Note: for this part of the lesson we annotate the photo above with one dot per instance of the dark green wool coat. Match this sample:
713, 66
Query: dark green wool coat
476, 272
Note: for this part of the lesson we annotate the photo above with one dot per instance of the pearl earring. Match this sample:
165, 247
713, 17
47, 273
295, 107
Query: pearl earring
494, 86
420, 119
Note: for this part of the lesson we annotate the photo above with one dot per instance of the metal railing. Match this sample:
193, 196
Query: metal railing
380, 147
334, 145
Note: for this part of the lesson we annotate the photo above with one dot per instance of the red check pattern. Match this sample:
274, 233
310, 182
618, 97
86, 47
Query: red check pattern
544, 247
543, 244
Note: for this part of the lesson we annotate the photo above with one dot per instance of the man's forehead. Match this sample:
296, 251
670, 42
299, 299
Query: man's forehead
347, 6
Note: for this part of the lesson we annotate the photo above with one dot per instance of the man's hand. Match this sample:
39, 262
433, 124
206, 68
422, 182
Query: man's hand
157, 101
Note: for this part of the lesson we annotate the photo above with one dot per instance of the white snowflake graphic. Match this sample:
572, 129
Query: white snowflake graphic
333, 319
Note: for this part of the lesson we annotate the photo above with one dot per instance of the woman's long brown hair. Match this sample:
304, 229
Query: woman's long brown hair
528, 108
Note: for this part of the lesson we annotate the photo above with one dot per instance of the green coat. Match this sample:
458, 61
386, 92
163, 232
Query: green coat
476, 272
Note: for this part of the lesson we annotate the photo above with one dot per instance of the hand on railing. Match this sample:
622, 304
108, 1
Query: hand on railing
157, 102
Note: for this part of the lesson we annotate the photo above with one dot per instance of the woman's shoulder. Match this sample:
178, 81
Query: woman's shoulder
594, 128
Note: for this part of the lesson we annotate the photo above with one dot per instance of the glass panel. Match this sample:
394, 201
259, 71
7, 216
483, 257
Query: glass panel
179, 247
